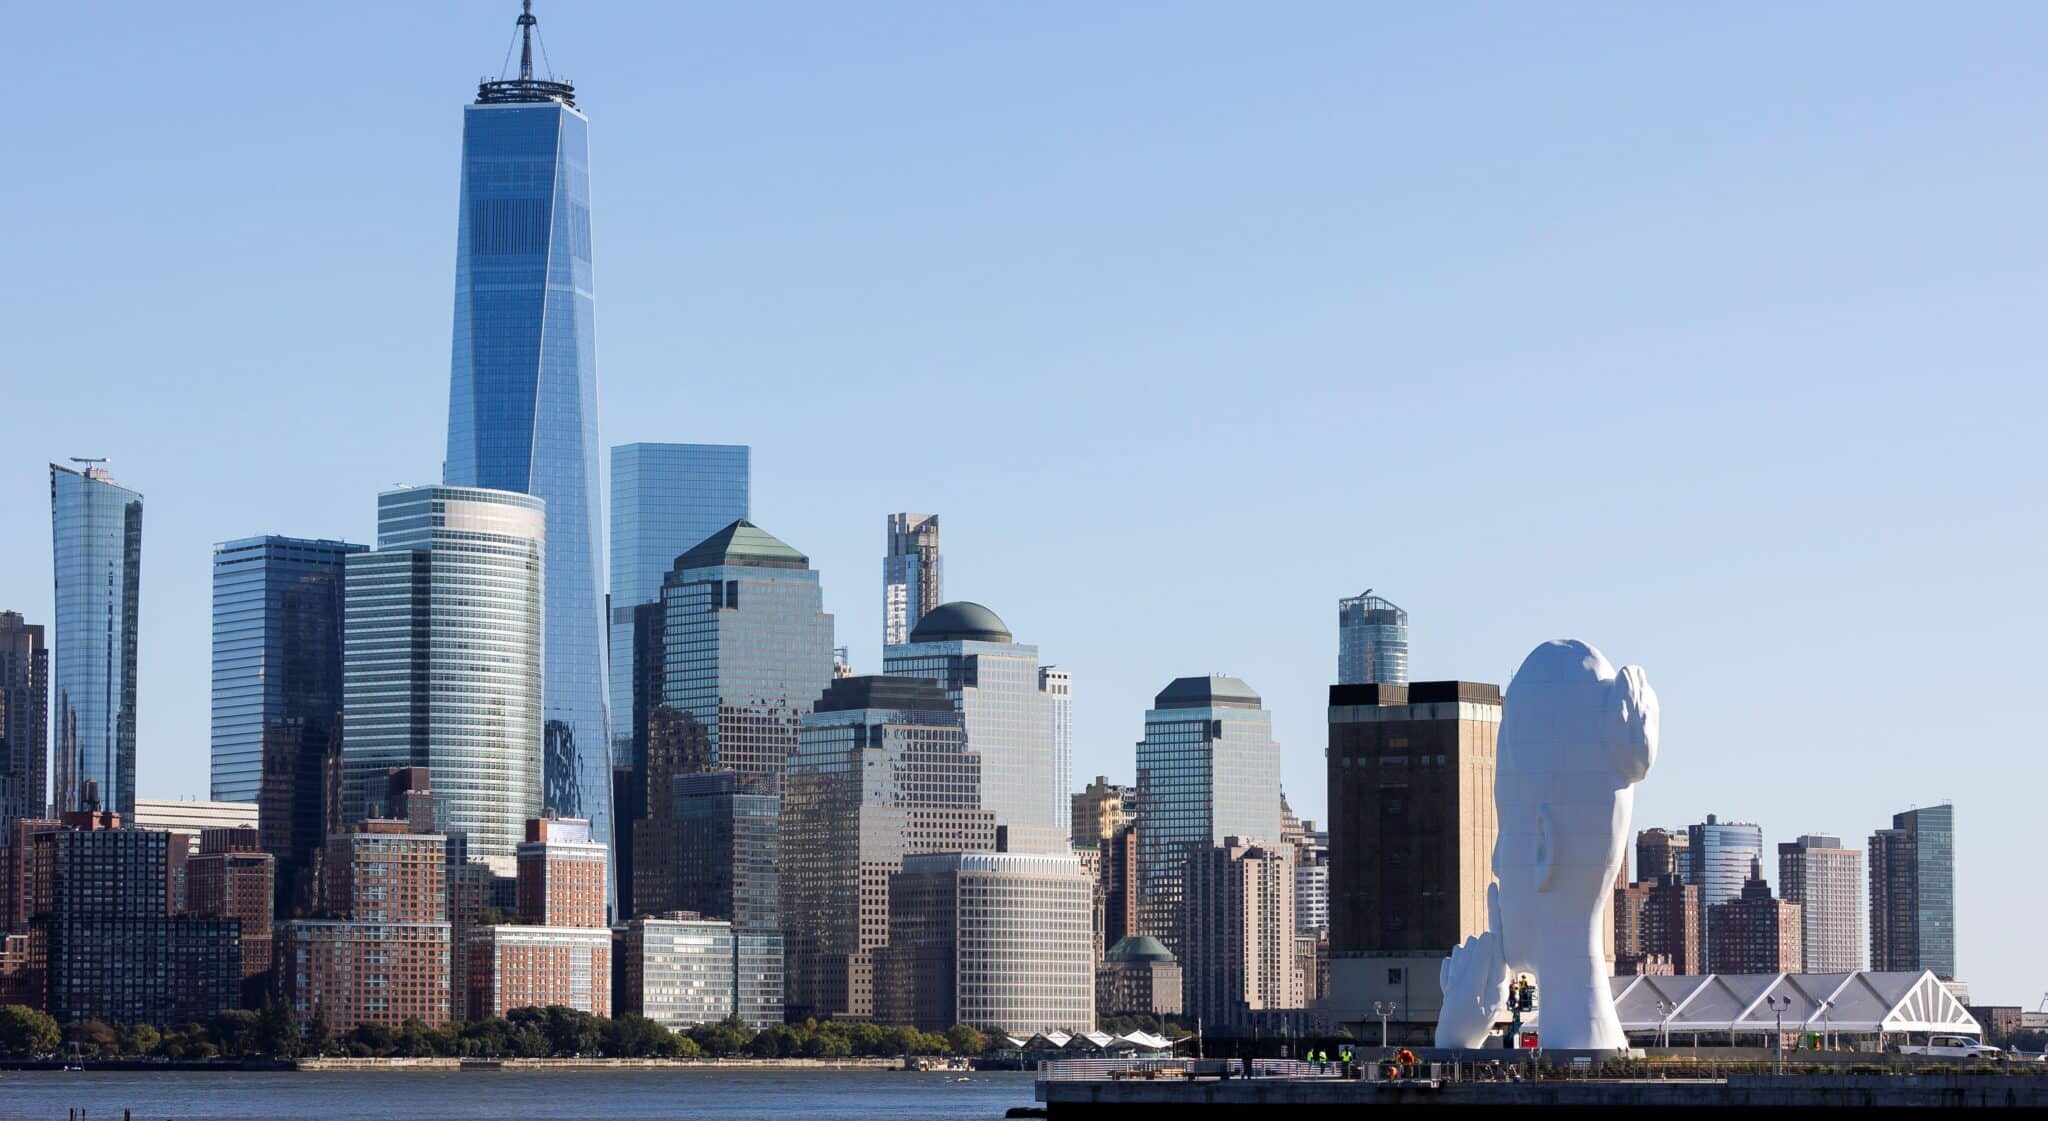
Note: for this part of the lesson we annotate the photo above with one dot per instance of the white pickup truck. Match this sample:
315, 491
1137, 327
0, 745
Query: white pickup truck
1953, 1047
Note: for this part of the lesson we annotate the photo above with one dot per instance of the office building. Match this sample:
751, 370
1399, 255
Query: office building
749, 649
1207, 769
277, 624
1372, 641
1058, 687
1100, 809
883, 772
1138, 977
441, 662
993, 681
522, 401
230, 877
24, 719
665, 499
998, 940
677, 970
108, 948
96, 531
1912, 893
1719, 855
913, 583
1412, 826
384, 957
1662, 852
1239, 932
1755, 932
717, 855
1826, 880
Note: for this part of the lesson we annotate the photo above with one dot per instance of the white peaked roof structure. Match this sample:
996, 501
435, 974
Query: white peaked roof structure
1847, 1003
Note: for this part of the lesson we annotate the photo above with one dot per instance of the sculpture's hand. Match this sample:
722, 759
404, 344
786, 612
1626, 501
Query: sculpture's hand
1475, 987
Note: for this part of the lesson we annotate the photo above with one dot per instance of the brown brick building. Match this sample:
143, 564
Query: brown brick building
383, 956
1756, 932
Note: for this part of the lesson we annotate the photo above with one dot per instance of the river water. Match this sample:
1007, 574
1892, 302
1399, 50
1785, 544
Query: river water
584, 1095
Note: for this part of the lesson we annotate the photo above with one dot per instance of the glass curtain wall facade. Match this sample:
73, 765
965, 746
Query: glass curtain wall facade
24, 718
1372, 641
96, 531
276, 658
913, 580
1912, 893
994, 683
1719, 855
1207, 769
665, 499
441, 660
522, 406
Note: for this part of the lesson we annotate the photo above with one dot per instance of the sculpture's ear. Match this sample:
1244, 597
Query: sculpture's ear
1545, 856
1635, 715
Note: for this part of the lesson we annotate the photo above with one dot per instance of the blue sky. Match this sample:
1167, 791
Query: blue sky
1711, 337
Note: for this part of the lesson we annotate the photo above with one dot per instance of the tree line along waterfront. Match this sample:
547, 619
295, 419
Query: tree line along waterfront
524, 1033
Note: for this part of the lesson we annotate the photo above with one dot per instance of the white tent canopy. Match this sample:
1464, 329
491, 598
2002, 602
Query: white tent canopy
1859, 1003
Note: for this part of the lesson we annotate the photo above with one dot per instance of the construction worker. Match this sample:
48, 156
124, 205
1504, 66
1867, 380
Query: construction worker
1344, 1059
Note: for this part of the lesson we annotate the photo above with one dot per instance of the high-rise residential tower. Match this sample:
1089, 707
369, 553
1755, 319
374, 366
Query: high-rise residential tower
24, 716
96, 530
1207, 769
441, 660
1719, 855
912, 580
1372, 641
993, 681
522, 403
277, 622
1239, 932
1662, 852
1912, 892
1058, 686
1826, 880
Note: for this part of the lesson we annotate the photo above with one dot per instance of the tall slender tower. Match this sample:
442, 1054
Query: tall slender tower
1372, 641
24, 714
96, 538
522, 404
912, 581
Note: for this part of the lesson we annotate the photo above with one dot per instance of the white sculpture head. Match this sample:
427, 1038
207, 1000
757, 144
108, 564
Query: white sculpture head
1575, 737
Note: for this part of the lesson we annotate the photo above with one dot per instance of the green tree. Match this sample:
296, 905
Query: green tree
27, 1031
683, 1047
141, 1039
94, 1037
963, 1040
319, 1033
277, 1031
235, 1031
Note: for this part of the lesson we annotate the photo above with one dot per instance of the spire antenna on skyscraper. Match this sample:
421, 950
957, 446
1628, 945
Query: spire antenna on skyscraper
526, 22
526, 88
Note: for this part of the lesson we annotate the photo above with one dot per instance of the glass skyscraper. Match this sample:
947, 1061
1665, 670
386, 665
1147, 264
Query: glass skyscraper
1207, 769
665, 499
1718, 858
913, 577
277, 623
441, 660
1372, 641
994, 681
276, 655
1913, 892
522, 405
96, 538
749, 649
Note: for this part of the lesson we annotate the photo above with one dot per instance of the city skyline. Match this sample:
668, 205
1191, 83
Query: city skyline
1002, 545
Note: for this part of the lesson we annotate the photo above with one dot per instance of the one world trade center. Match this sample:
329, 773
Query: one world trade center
522, 402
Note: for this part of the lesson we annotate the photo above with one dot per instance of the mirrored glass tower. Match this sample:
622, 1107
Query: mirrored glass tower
96, 531
522, 405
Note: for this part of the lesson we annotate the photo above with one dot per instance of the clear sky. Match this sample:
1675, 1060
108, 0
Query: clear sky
1713, 338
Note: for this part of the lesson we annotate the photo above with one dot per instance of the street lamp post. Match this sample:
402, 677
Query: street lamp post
1827, 1039
1778, 1006
1664, 1010
1383, 1009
